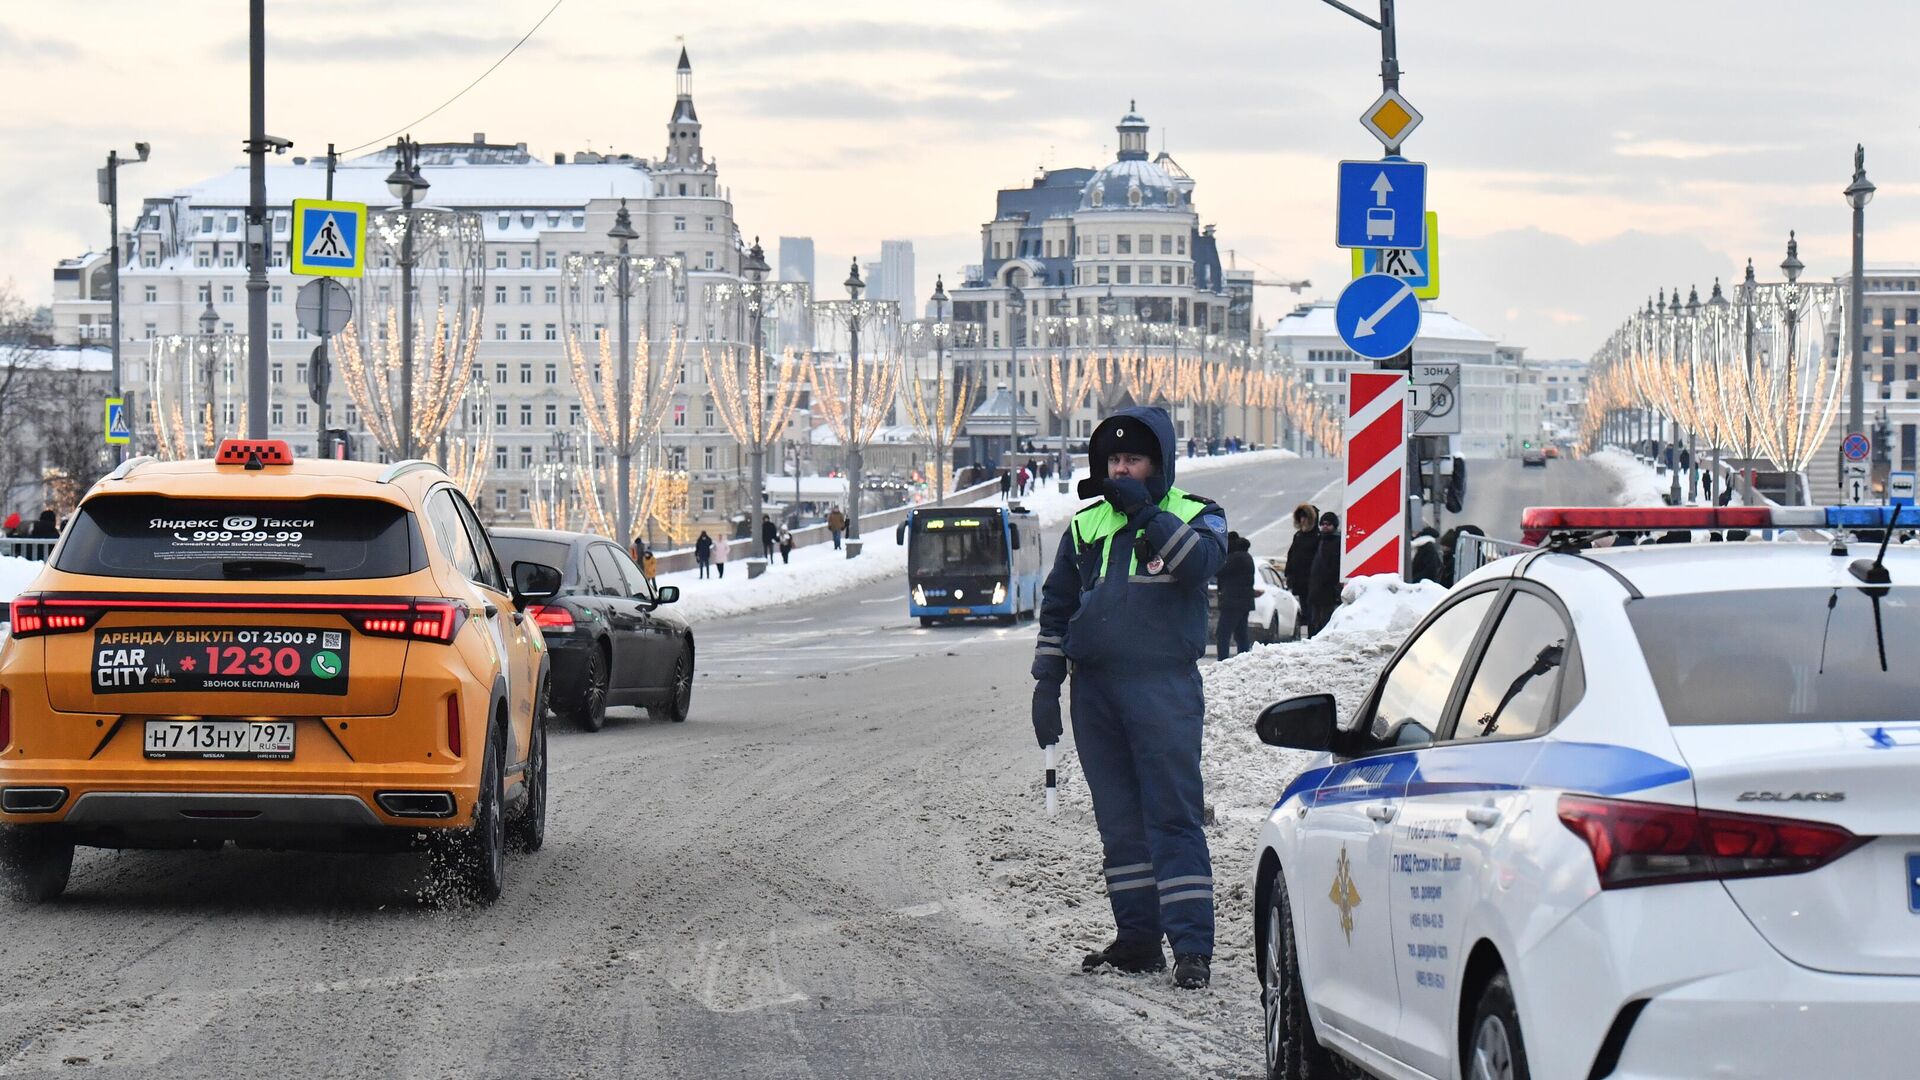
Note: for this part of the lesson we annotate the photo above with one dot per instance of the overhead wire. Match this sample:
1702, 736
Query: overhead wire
464, 89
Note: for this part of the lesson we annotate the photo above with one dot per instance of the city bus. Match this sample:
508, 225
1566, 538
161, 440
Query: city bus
972, 562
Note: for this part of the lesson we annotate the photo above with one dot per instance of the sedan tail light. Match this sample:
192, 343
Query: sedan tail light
1636, 843
551, 616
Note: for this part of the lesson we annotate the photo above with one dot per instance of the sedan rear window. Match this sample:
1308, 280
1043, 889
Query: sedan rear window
1781, 656
149, 536
513, 549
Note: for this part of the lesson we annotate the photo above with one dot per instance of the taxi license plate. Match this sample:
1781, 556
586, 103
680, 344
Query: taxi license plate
220, 739
1913, 883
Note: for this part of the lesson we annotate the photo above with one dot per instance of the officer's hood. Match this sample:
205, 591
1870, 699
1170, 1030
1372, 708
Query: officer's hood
1155, 420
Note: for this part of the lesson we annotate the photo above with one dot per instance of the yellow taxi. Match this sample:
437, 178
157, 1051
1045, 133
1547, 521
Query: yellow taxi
276, 653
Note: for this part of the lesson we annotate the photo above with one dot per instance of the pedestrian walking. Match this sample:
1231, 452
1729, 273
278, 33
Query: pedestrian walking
649, 566
785, 540
720, 548
703, 553
1299, 564
1323, 580
1191, 447
1236, 593
1006, 484
1126, 602
836, 525
769, 536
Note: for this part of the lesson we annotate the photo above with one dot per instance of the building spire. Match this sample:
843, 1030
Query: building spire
683, 127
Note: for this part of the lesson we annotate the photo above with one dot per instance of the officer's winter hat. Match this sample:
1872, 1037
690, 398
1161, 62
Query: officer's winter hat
1125, 435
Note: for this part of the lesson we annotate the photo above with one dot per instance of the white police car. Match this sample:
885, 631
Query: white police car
1633, 813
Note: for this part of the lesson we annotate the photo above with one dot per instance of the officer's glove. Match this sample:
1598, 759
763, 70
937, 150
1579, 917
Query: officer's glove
1125, 494
1046, 713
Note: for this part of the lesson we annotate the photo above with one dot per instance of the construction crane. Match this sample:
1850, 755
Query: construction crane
1297, 286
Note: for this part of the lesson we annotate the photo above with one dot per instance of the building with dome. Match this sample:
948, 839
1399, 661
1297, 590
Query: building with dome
1123, 240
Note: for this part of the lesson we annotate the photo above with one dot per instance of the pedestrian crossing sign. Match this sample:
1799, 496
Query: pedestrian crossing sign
119, 432
329, 238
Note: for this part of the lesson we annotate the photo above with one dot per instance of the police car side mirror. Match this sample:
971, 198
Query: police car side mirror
534, 581
1306, 722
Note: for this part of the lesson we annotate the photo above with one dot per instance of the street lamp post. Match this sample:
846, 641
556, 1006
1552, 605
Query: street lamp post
1859, 194
1016, 329
1693, 380
854, 456
209, 322
624, 233
405, 183
110, 194
754, 268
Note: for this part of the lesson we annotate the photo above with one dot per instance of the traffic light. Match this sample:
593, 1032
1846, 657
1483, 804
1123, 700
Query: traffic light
1882, 443
1526, 444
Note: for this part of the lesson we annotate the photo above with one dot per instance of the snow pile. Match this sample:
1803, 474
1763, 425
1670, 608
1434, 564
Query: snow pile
14, 575
1639, 484
1047, 873
1384, 602
819, 570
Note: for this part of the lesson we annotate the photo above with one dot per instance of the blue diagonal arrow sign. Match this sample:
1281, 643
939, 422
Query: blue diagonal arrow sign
1378, 316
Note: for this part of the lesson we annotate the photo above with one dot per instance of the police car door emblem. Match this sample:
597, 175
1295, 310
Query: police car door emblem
1344, 895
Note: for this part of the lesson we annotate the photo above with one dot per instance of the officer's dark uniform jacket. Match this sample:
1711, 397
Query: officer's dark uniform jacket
1114, 596
1126, 603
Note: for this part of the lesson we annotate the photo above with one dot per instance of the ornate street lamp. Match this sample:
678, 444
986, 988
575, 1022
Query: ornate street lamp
1859, 194
857, 406
406, 183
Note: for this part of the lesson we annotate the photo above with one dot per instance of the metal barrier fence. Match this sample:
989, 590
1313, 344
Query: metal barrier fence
21, 547
1471, 552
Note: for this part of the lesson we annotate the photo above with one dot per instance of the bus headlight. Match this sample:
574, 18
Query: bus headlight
920, 596
999, 592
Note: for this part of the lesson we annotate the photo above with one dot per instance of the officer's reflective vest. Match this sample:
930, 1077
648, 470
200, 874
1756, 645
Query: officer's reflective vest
1101, 522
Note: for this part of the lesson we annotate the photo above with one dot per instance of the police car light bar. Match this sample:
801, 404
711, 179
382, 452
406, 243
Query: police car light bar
254, 453
1539, 522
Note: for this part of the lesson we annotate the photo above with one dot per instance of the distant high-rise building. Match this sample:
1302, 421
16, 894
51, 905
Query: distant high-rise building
796, 258
895, 278
873, 271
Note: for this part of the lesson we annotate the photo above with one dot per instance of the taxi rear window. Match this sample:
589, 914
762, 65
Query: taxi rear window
1781, 656
150, 536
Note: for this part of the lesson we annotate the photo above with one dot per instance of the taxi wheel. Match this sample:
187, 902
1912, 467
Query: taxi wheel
1496, 1051
483, 848
1293, 1053
677, 707
35, 863
530, 828
588, 710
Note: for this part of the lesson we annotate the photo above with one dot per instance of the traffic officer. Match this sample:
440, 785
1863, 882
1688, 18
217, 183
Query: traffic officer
1126, 604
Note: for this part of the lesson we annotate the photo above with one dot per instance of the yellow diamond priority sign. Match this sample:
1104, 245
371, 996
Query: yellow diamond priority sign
1391, 119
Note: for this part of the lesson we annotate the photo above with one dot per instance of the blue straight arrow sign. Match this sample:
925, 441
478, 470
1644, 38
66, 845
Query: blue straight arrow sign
1383, 204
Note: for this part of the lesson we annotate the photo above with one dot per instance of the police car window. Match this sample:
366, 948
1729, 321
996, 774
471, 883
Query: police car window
1783, 656
450, 535
1417, 688
1512, 692
320, 539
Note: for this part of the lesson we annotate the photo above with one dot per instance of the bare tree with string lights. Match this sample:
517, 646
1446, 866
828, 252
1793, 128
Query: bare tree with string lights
856, 393
409, 386
938, 397
754, 402
624, 374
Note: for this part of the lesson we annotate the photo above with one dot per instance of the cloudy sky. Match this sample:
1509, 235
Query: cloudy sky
1581, 155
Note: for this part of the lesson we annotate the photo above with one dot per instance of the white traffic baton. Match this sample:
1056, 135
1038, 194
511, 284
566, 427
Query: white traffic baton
1053, 803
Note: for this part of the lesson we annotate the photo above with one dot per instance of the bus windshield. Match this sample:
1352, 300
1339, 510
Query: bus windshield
958, 545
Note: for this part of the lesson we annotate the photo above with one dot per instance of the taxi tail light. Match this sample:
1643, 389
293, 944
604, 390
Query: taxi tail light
436, 620
453, 724
1636, 843
550, 616
29, 615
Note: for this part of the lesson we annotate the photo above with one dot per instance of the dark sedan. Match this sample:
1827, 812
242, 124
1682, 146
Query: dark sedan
611, 645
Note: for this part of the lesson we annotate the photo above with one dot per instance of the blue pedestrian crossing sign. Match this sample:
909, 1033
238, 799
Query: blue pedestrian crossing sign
329, 238
119, 432
1383, 204
1378, 316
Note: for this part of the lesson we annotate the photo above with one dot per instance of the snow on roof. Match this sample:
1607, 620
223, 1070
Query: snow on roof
97, 358
529, 184
1316, 320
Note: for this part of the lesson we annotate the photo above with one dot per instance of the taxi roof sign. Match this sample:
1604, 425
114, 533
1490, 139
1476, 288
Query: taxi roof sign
1391, 118
329, 238
254, 453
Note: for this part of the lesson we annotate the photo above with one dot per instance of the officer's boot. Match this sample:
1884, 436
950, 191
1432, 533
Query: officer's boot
1132, 957
1192, 971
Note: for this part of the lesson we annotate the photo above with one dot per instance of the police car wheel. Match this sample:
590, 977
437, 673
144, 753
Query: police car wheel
35, 862
1293, 1053
1494, 1049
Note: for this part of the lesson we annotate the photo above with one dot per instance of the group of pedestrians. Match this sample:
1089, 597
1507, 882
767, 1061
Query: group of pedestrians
1216, 445
710, 553
45, 527
1026, 479
1312, 569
